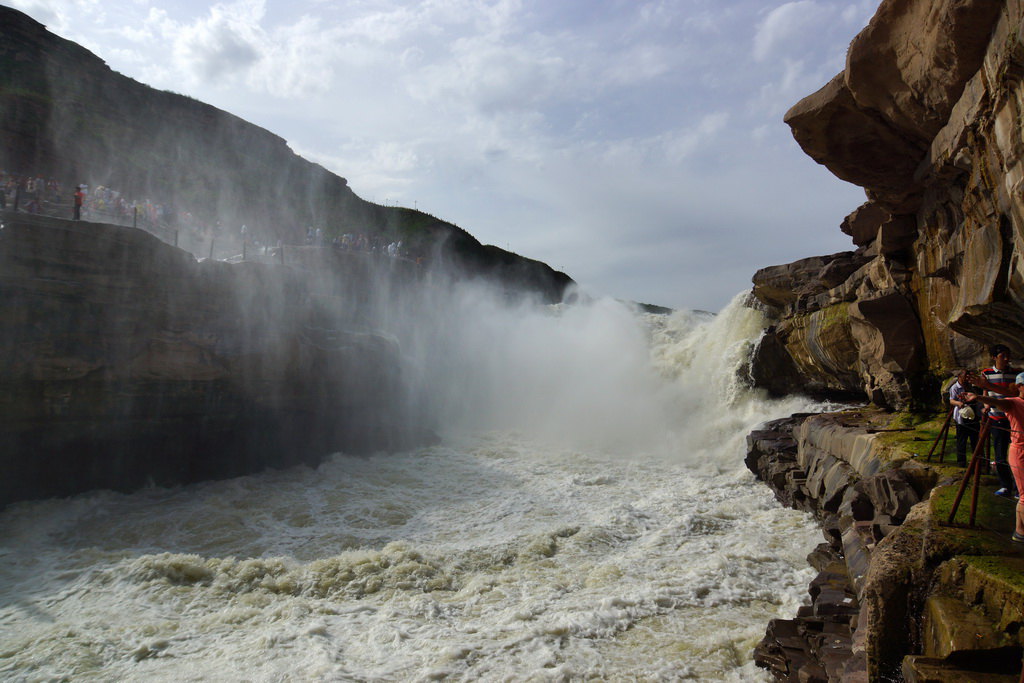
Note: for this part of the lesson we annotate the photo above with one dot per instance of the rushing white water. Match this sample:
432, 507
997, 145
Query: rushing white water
587, 515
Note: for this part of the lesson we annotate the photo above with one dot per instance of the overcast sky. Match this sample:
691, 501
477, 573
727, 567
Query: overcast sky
638, 145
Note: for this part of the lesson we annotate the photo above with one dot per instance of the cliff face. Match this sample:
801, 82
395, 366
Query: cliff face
65, 114
926, 117
124, 361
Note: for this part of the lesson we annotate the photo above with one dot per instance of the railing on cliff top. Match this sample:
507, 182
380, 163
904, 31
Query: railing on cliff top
198, 240
64, 208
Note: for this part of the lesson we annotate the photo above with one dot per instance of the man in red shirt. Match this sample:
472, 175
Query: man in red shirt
79, 196
1013, 407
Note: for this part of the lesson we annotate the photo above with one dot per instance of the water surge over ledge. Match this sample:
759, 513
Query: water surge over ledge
587, 513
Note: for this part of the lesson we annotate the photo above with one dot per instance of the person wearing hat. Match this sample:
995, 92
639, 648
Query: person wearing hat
1013, 408
966, 416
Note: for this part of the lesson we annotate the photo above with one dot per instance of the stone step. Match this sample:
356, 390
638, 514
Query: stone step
951, 626
921, 669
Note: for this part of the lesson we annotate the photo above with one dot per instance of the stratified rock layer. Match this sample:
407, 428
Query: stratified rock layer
897, 593
926, 117
125, 362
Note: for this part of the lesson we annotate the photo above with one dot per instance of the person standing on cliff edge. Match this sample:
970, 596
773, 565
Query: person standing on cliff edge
965, 416
1013, 408
999, 381
79, 196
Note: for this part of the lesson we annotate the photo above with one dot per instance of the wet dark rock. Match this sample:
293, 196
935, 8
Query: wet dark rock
124, 362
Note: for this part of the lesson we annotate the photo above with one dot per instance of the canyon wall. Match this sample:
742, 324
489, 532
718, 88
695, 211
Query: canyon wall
926, 117
126, 362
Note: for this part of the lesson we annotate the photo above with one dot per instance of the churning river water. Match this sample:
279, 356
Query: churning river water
587, 515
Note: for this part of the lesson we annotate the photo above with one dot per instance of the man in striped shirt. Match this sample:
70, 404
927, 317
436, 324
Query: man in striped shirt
1002, 376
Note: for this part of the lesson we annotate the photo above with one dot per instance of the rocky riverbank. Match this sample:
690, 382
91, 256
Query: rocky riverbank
926, 117
900, 594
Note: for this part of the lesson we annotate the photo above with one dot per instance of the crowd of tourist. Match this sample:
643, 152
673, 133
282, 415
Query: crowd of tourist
34, 194
28, 192
988, 409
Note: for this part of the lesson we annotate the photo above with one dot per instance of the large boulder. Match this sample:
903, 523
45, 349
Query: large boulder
873, 123
856, 145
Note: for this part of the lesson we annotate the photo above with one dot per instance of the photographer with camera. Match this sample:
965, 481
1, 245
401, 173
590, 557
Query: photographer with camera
1012, 407
966, 415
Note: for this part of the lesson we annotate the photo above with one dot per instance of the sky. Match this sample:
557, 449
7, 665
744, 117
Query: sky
637, 145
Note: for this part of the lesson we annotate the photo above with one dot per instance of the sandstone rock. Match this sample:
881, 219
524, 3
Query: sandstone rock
890, 346
836, 326
863, 224
886, 590
781, 286
896, 236
811, 353
854, 144
926, 118
772, 368
951, 626
921, 669
892, 494
912, 61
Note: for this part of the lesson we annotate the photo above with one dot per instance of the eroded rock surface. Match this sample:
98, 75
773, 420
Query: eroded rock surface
926, 117
898, 596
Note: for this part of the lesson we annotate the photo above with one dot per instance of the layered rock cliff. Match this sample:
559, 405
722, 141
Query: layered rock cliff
125, 362
901, 594
926, 117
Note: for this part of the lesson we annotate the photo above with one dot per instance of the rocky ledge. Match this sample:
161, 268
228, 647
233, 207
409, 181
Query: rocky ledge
900, 594
125, 362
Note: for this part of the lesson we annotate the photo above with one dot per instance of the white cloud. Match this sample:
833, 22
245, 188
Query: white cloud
705, 134
857, 14
227, 42
640, 63
54, 14
784, 26
298, 61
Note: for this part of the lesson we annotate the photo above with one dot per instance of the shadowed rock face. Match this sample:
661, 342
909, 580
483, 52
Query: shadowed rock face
125, 362
926, 117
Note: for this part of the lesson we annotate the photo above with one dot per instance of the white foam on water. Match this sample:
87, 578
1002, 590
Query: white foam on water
590, 519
